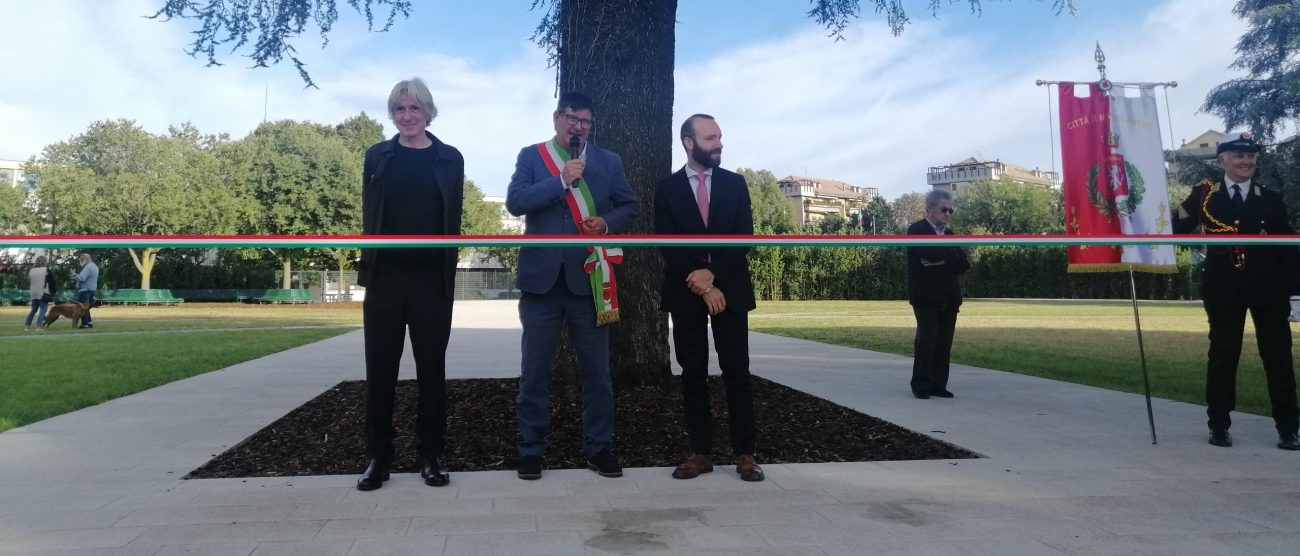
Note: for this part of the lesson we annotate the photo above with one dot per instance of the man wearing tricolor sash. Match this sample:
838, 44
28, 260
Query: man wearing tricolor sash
567, 186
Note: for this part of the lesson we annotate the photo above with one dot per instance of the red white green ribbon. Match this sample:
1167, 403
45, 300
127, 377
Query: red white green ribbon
600, 259
616, 240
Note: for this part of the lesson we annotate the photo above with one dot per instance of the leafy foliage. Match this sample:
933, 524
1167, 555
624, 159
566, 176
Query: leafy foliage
16, 216
117, 179
772, 211
1007, 207
272, 24
906, 209
1270, 52
360, 132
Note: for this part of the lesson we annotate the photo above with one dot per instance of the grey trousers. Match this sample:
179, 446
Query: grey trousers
541, 316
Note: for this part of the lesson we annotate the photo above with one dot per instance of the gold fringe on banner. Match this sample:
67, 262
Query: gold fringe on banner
1122, 267
606, 317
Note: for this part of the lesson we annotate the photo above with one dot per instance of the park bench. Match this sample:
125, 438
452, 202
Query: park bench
138, 297
296, 295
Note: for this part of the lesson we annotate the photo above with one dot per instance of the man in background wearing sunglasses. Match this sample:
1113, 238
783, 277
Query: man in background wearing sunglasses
935, 295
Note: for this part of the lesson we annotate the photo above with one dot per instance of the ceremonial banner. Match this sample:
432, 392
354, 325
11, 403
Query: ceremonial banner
1114, 178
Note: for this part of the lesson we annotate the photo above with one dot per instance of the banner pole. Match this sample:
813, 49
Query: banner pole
1146, 382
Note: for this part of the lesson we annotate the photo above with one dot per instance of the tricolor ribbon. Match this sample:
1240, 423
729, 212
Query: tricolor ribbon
600, 259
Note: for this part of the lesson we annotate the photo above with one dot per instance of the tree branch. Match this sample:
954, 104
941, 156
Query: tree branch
271, 24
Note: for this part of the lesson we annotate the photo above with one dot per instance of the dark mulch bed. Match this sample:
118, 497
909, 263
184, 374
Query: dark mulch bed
323, 436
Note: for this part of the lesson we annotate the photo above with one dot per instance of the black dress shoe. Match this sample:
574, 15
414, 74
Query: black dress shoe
434, 474
605, 464
1288, 442
921, 395
1220, 437
941, 394
374, 476
530, 468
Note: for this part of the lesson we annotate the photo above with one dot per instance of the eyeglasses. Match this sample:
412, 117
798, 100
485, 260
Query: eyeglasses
574, 120
947, 210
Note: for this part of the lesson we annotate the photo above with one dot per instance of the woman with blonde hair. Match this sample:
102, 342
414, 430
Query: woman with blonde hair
41, 293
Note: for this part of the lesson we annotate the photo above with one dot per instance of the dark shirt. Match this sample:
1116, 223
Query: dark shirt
412, 206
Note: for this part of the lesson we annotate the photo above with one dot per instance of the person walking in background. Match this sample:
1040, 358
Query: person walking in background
41, 291
87, 282
1236, 279
935, 296
709, 283
412, 184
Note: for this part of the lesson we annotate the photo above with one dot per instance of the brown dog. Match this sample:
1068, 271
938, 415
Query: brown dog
70, 311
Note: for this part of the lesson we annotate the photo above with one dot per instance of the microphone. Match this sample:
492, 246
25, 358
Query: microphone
574, 144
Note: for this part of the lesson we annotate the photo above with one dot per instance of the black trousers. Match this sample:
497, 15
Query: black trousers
1273, 337
932, 346
731, 341
395, 301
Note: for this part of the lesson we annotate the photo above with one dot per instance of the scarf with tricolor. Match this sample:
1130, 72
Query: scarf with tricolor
600, 260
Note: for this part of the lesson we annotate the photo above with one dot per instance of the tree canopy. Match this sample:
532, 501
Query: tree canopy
273, 26
118, 179
1007, 207
1269, 51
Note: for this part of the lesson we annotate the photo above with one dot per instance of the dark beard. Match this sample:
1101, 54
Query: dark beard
704, 158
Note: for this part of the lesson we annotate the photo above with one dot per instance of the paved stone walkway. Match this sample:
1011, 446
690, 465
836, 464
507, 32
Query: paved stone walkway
1069, 470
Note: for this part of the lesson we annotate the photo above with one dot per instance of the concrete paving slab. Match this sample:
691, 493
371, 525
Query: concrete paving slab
223, 549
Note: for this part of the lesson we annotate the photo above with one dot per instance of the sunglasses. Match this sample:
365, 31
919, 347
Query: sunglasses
947, 210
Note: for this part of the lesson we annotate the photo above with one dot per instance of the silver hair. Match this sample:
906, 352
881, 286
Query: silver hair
933, 197
418, 91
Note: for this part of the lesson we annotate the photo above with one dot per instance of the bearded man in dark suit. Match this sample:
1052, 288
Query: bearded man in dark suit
709, 283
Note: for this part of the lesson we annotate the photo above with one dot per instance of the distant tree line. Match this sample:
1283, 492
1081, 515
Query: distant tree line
284, 178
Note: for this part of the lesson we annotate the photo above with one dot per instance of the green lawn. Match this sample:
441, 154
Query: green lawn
130, 350
135, 318
1083, 342
1089, 343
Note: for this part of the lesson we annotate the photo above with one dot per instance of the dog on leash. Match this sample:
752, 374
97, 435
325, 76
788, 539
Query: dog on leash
70, 311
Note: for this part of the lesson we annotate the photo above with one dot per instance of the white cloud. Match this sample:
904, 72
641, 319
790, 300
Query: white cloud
877, 110
66, 64
874, 110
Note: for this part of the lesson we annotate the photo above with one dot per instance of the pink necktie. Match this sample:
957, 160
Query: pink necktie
702, 198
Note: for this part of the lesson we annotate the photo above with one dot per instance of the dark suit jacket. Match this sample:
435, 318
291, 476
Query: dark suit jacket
934, 285
1270, 273
676, 213
448, 172
542, 200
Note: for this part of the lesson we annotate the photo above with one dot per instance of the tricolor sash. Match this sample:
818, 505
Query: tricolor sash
600, 260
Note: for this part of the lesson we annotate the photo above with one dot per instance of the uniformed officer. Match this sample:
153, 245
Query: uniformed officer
1241, 278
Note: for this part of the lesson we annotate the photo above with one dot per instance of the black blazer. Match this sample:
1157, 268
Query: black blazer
934, 285
448, 171
676, 213
1268, 273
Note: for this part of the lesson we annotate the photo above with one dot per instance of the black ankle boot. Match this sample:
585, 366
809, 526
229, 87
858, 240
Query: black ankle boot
375, 475
434, 474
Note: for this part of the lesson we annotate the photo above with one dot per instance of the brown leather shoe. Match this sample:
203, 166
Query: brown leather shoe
748, 469
693, 466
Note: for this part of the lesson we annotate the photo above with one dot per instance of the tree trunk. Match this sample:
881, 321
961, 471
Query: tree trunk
620, 53
341, 255
144, 264
286, 267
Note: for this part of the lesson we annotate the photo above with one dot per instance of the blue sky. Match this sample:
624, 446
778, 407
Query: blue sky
873, 110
